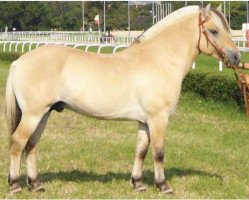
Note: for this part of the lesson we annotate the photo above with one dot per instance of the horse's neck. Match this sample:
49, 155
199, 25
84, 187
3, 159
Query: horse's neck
177, 46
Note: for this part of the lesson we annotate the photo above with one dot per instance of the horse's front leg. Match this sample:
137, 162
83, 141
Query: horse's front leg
157, 126
143, 142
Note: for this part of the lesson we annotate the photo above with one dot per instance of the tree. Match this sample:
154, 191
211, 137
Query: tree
64, 15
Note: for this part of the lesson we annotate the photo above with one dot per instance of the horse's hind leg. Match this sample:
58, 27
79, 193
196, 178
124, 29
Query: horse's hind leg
18, 141
143, 142
30, 152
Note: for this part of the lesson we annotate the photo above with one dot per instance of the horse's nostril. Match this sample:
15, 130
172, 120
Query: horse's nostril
236, 57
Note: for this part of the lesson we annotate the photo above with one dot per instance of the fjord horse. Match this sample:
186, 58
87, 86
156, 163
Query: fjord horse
142, 83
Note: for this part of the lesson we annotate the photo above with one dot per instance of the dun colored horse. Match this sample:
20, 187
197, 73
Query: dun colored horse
142, 83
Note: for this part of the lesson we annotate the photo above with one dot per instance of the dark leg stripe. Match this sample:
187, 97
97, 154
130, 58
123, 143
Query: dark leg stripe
12, 181
33, 182
159, 157
29, 147
135, 180
143, 154
160, 184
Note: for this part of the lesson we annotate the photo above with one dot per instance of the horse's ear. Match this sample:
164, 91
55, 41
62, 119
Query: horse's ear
206, 11
208, 8
219, 8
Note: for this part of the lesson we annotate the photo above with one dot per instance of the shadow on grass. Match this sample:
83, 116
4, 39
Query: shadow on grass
82, 176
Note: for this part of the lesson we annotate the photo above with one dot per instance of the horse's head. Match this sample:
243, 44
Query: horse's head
215, 36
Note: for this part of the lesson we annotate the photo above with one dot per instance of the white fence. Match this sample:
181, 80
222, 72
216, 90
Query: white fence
241, 44
79, 37
66, 37
12, 46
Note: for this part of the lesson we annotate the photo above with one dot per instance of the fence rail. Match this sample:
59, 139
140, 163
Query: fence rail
242, 44
80, 37
12, 46
66, 37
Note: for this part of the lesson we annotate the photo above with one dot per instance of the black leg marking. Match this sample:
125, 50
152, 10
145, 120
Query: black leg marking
164, 187
14, 185
135, 180
35, 185
159, 156
137, 184
143, 154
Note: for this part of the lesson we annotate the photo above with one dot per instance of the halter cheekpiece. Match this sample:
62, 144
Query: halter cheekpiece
212, 42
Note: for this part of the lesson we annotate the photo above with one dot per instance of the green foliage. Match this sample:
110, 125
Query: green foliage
238, 14
63, 15
118, 11
211, 84
214, 86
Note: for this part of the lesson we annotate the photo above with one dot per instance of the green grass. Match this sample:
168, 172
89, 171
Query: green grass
79, 157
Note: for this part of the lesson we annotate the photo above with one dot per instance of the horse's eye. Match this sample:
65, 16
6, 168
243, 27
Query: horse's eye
214, 32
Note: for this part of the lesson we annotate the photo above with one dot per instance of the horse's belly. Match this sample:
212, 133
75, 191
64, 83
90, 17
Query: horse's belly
124, 112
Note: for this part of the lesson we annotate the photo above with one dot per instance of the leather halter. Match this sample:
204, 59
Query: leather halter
209, 40
219, 49
216, 46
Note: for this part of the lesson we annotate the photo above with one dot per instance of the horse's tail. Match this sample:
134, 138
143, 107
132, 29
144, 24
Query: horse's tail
12, 109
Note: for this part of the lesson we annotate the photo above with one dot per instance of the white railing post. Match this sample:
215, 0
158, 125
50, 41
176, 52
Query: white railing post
193, 66
220, 66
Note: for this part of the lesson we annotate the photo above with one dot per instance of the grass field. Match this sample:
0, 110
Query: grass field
79, 157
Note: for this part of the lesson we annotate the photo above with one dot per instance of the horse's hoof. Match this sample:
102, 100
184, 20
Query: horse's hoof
137, 185
35, 185
14, 185
167, 191
141, 188
14, 190
164, 188
39, 188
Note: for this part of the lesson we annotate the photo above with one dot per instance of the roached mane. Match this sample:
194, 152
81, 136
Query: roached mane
168, 21
177, 16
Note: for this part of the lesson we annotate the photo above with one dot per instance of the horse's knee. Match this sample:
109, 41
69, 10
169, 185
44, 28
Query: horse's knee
159, 155
16, 145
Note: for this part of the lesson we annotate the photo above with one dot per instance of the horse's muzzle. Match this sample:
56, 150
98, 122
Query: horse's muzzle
233, 56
